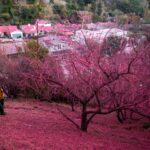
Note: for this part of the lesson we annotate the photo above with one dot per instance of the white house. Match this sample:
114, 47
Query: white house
16, 34
1, 34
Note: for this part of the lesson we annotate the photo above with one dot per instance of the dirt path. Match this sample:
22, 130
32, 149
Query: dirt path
34, 125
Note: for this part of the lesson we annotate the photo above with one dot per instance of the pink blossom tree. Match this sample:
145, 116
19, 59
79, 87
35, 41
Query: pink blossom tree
110, 84
101, 84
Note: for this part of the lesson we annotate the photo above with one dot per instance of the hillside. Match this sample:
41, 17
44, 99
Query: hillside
26, 11
31, 124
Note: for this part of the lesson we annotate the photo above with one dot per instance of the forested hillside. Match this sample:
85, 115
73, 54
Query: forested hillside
26, 11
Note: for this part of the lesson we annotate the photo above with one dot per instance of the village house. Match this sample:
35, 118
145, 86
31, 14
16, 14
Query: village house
41, 27
29, 30
11, 32
42, 30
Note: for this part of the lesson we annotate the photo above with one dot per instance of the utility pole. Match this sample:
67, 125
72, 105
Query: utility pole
37, 36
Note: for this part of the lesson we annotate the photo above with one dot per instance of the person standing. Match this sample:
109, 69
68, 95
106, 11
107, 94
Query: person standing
2, 101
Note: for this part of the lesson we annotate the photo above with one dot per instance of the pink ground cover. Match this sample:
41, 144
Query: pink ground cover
35, 125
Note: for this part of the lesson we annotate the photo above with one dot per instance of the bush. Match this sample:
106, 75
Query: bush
71, 8
131, 6
147, 16
135, 20
34, 50
96, 8
96, 18
5, 16
29, 14
122, 19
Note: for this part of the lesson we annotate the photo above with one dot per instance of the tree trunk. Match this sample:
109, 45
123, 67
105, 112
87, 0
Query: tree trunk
120, 116
72, 105
84, 123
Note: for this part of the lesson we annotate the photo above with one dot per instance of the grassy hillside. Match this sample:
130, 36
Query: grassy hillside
35, 125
